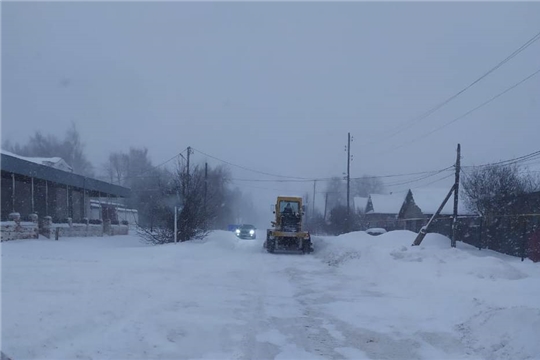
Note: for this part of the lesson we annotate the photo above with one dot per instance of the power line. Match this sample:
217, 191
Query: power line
174, 157
435, 172
154, 167
465, 114
418, 179
424, 115
249, 169
277, 180
424, 185
441, 179
531, 156
265, 188
414, 181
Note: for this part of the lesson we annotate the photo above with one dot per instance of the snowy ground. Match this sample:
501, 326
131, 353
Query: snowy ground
357, 297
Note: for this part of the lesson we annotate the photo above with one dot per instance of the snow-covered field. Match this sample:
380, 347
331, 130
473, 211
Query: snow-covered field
357, 297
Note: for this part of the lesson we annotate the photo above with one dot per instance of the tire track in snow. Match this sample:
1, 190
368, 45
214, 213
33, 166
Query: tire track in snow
342, 335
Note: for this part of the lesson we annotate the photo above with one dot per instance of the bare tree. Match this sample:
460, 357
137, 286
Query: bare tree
366, 185
493, 190
337, 192
117, 168
73, 152
206, 203
71, 149
363, 186
149, 185
337, 221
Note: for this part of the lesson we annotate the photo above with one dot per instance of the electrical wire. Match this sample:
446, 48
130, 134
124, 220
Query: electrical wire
418, 179
441, 179
423, 136
426, 114
435, 172
249, 169
531, 156
154, 167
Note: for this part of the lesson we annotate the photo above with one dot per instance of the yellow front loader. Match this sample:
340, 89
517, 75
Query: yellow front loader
287, 233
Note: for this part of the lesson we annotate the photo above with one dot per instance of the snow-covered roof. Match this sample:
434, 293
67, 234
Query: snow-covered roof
55, 162
386, 204
360, 203
429, 200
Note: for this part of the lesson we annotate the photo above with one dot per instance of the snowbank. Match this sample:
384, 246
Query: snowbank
485, 302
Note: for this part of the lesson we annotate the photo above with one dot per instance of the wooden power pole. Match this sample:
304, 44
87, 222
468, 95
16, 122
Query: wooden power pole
348, 220
205, 185
313, 205
456, 196
187, 171
325, 205
425, 229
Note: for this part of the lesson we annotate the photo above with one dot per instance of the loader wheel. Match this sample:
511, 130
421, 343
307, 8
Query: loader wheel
306, 247
270, 245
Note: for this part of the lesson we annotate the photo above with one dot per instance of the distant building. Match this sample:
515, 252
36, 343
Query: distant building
421, 204
382, 211
360, 204
47, 187
55, 162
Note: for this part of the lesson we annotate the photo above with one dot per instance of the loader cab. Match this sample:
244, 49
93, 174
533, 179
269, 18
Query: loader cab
289, 212
289, 207
294, 205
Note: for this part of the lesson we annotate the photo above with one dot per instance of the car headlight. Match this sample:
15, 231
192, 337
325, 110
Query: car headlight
251, 232
237, 231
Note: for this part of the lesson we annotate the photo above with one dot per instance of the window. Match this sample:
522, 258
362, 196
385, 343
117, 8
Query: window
295, 206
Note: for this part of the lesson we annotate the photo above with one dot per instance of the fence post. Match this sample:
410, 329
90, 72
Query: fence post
175, 224
480, 237
524, 242
487, 233
57, 233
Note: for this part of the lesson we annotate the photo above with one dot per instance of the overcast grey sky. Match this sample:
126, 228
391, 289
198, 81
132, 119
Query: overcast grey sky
275, 87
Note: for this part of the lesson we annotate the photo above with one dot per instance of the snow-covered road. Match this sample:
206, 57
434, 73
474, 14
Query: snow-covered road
357, 297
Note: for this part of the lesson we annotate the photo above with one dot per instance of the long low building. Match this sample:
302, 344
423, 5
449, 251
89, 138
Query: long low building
47, 187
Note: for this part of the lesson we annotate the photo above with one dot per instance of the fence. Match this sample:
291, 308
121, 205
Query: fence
516, 235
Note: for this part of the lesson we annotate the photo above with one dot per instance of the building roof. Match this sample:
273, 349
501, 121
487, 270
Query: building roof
21, 166
429, 200
55, 162
360, 203
386, 204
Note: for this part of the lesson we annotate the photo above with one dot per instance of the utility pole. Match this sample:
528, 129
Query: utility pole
187, 179
175, 224
313, 206
325, 205
424, 230
348, 220
456, 196
205, 184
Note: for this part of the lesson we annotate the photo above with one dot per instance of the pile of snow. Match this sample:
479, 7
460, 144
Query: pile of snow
482, 302
357, 297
